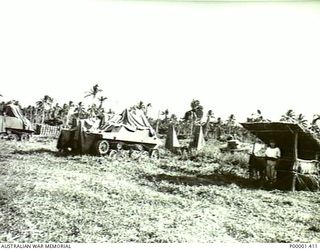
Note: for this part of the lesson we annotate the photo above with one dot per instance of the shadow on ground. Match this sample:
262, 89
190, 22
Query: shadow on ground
37, 151
205, 180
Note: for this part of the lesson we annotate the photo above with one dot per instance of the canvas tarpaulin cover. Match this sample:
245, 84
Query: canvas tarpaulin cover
132, 120
14, 111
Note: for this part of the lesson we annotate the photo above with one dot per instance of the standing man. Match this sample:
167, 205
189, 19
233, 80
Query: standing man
273, 153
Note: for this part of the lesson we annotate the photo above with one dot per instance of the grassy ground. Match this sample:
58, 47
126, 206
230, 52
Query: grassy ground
46, 197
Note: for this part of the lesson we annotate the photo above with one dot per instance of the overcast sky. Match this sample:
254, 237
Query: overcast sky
233, 57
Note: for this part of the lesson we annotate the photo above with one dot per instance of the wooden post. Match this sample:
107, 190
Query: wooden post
295, 153
253, 147
293, 184
295, 146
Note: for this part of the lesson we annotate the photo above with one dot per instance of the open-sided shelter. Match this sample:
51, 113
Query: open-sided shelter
300, 150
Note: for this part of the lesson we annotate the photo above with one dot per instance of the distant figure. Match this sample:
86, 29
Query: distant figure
273, 153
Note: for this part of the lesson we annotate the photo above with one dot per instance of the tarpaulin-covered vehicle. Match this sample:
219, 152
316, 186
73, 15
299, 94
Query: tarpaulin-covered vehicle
298, 166
129, 130
14, 125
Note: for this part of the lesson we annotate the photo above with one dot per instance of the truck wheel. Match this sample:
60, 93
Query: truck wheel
155, 154
113, 154
102, 147
13, 137
25, 137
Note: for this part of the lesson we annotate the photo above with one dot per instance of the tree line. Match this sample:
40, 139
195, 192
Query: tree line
45, 111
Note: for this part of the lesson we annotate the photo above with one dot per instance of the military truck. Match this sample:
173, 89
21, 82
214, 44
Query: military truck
14, 125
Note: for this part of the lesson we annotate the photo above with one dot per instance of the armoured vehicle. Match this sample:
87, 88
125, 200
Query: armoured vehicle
14, 125
129, 130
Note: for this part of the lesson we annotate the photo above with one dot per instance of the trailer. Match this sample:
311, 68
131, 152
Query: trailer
298, 167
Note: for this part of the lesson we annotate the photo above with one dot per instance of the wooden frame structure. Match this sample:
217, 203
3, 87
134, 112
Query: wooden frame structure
299, 151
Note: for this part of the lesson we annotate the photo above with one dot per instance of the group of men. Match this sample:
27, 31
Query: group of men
265, 161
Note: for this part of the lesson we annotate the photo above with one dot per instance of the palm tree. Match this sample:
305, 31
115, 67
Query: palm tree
315, 118
302, 121
194, 104
256, 117
64, 110
143, 107
28, 112
92, 110
166, 114
33, 114
196, 109
102, 99
289, 116
231, 123
63, 114
55, 111
80, 110
193, 116
70, 104
43, 105
140, 105
231, 120
314, 126
93, 92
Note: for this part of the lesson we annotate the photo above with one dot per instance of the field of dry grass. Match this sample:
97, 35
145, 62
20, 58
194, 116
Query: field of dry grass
46, 197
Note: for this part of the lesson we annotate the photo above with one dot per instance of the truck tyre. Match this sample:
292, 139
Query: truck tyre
102, 147
155, 154
25, 137
14, 137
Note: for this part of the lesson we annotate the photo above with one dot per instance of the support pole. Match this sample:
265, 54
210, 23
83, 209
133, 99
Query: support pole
295, 152
253, 147
295, 146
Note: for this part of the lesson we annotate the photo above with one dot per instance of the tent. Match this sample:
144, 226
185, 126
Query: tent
198, 139
172, 141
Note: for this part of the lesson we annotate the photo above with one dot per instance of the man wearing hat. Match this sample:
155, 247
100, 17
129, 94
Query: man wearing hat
273, 153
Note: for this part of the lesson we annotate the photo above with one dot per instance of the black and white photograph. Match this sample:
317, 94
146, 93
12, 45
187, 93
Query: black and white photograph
181, 122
